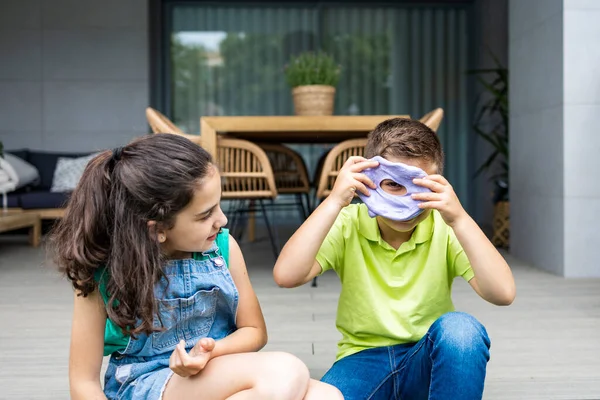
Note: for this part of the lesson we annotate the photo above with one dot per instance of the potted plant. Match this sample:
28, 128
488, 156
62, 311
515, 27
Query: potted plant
313, 78
491, 124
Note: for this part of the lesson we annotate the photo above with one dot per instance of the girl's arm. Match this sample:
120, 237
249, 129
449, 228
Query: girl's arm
87, 347
251, 334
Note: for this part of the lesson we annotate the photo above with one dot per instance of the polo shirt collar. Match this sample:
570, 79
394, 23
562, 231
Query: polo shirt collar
369, 228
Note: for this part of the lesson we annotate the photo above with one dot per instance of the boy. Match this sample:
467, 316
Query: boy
401, 338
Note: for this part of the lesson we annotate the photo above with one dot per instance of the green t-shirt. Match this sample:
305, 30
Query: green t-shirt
114, 338
390, 296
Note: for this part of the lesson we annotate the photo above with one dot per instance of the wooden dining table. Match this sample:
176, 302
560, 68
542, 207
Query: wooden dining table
289, 129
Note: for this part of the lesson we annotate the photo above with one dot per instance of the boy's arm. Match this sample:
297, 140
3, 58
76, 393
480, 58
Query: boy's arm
87, 347
297, 262
493, 279
297, 265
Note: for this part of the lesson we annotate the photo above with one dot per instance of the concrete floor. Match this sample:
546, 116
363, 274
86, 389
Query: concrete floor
545, 346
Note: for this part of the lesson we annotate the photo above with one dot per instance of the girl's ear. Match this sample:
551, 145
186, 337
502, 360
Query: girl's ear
154, 229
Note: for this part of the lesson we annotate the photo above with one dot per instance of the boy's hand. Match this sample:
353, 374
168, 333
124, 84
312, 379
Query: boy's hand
441, 198
350, 179
187, 364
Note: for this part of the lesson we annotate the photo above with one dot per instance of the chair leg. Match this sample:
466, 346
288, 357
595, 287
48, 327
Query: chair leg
269, 230
301, 209
236, 211
314, 281
309, 201
243, 218
231, 216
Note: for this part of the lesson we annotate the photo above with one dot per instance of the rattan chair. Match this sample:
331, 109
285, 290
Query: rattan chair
245, 171
334, 161
161, 124
433, 119
291, 175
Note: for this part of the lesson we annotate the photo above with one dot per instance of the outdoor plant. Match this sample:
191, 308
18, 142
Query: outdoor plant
491, 124
311, 68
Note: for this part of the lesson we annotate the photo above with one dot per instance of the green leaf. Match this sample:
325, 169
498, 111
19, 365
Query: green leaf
312, 69
486, 164
491, 119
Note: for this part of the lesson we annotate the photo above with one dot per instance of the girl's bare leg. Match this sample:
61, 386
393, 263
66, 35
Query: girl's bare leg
322, 391
264, 375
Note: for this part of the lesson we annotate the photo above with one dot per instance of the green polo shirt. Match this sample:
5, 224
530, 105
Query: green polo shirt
390, 296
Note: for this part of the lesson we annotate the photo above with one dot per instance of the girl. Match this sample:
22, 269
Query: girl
162, 288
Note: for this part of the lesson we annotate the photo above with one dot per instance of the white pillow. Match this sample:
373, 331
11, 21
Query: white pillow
68, 172
8, 177
27, 173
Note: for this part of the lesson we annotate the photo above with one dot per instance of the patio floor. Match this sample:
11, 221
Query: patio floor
545, 346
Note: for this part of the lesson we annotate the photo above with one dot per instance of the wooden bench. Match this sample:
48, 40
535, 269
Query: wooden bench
12, 220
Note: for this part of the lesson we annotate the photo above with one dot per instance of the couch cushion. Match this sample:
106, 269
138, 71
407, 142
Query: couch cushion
44, 199
23, 154
27, 173
14, 200
68, 172
46, 164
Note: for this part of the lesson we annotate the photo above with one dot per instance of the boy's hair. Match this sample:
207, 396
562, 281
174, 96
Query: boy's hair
106, 222
401, 137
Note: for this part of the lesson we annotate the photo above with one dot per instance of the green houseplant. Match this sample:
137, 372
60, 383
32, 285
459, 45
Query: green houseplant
492, 124
313, 78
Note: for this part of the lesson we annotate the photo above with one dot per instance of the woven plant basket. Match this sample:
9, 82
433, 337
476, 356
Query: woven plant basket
313, 99
501, 235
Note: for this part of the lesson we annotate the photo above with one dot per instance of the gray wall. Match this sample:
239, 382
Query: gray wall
555, 108
581, 141
536, 138
74, 73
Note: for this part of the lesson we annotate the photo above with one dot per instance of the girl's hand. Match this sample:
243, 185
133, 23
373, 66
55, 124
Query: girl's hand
187, 364
351, 179
441, 198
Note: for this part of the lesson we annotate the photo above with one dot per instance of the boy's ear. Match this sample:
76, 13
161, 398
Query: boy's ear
156, 231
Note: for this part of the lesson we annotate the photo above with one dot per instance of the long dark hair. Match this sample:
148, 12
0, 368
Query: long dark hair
106, 222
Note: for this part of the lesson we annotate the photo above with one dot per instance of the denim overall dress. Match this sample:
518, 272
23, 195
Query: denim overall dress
199, 301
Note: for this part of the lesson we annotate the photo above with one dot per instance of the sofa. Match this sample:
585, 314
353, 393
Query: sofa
37, 197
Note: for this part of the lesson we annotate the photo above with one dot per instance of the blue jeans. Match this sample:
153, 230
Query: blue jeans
447, 363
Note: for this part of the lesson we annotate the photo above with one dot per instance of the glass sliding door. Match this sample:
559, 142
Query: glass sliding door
228, 59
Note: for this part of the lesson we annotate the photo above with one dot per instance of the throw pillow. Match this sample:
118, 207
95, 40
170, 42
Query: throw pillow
68, 172
27, 173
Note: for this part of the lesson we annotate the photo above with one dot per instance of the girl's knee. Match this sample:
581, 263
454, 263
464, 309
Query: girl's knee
288, 363
324, 391
334, 394
286, 377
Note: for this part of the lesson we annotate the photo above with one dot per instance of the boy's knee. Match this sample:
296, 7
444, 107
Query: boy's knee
460, 332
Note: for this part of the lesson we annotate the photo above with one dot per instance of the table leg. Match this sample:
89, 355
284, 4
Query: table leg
35, 233
251, 223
